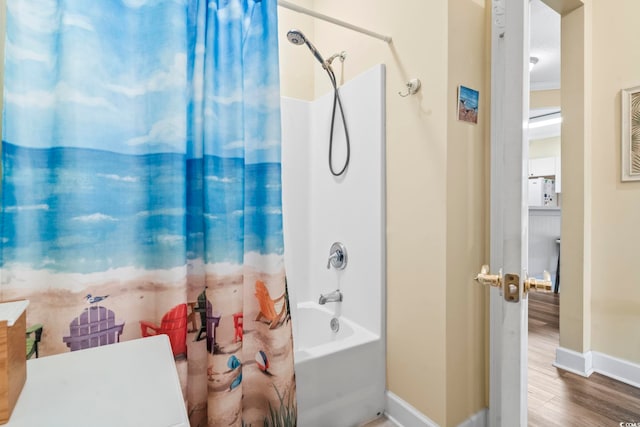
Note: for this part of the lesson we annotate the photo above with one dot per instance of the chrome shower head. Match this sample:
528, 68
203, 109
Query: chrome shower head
297, 37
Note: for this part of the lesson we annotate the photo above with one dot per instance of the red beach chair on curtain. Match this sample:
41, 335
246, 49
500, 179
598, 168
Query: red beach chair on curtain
174, 325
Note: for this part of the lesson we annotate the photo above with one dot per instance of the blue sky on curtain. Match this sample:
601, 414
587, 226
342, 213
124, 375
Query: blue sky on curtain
141, 183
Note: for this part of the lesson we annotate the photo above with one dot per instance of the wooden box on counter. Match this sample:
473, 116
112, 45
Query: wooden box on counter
13, 360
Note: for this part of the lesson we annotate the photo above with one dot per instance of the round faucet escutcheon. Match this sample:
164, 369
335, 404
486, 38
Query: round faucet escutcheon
334, 324
337, 256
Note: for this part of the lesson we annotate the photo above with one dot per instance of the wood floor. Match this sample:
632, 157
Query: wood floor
560, 398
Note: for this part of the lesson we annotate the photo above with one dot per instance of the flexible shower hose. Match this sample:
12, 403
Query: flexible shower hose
337, 102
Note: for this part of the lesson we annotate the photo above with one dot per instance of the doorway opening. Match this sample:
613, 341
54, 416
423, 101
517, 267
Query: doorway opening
545, 200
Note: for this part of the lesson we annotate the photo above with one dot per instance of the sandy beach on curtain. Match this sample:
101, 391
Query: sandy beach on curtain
136, 295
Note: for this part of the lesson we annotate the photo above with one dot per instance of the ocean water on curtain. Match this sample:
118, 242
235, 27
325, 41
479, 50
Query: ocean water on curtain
135, 210
141, 190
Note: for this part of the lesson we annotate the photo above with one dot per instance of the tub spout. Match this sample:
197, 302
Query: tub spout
335, 296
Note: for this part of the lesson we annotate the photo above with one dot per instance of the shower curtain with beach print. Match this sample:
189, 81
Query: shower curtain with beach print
141, 191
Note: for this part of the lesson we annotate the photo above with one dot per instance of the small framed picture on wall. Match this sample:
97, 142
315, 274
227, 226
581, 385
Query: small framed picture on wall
468, 104
631, 134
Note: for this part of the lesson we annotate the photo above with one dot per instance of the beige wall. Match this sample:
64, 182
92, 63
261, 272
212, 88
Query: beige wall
600, 295
435, 178
469, 63
616, 205
296, 70
575, 250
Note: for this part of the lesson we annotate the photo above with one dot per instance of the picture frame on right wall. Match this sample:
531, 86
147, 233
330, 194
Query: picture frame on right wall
630, 134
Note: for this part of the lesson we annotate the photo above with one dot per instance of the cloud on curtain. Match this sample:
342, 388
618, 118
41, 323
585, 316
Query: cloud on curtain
141, 183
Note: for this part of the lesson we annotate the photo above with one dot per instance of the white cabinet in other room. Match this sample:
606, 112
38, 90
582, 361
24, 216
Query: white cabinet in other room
558, 175
545, 166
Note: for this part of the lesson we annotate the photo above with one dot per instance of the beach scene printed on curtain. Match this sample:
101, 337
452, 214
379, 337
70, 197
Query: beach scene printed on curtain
141, 191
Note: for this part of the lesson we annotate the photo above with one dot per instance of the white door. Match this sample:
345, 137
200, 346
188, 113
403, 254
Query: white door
509, 211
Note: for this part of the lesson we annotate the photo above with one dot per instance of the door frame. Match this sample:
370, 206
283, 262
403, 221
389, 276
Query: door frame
509, 209
508, 331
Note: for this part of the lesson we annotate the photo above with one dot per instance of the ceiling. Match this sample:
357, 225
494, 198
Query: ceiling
545, 45
545, 75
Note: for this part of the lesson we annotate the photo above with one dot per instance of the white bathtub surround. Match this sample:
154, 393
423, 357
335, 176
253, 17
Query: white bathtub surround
585, 364
340, 375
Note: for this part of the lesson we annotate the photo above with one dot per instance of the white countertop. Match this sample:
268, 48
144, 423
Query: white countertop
11, 311
545, 208
130, 384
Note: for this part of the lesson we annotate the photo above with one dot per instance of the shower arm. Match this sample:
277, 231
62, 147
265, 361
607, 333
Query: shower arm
342, 55
299, 9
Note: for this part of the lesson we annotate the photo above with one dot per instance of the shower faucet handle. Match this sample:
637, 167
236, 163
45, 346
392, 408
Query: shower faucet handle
337, 256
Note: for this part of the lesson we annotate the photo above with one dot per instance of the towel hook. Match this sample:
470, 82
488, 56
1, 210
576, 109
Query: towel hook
413, 86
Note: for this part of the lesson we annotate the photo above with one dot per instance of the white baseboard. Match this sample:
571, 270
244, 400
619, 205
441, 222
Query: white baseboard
618, 369
572, 361
479, 419
592, 361
404, 415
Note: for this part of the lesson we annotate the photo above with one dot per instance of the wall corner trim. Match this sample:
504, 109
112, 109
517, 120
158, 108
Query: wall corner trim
403, 414
572, 361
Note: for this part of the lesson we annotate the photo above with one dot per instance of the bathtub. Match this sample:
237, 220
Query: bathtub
339, 375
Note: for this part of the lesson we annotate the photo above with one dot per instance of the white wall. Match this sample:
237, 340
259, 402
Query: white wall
544, 229
3, 24
546, 147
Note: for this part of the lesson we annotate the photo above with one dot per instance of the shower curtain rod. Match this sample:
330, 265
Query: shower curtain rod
300, 9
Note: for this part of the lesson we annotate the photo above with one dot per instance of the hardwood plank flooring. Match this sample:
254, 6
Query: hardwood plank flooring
560, 398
